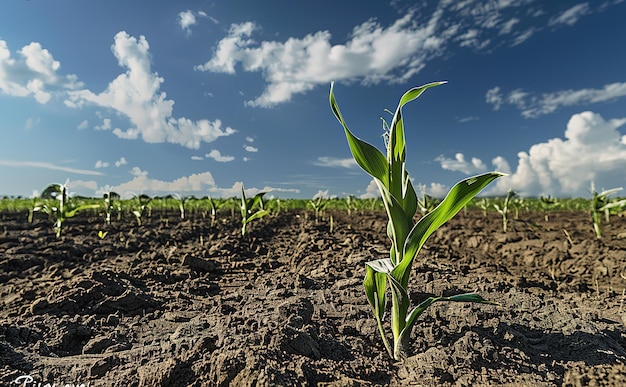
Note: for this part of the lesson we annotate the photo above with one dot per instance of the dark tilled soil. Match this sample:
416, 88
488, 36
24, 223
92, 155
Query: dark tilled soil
178, 303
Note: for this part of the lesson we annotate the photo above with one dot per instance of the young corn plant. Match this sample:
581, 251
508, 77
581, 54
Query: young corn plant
407, 236
65, 207
138, 206
504, 211
111, 202
248, 207
547, 203
600, 203
318, 204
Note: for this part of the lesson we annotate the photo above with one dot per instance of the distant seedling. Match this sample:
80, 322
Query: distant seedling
600, 203
63, 206
407, 237
251, 209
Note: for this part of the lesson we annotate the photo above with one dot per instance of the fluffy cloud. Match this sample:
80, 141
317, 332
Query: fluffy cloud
199, 182
136, 171
459, 164
375, 53
593, 150
532, 105
136, 94
34, 73
120, 162
101, 164
250, 148
217, 156
371, 191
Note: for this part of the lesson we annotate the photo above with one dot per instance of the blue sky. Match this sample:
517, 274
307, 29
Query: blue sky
198, 97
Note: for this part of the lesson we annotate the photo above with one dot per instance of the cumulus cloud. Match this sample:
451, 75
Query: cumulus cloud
120, 162
325, 161
199, 182
374, 52
532, 105
136, 171
101, 164
83, 125
371, 191
186, 19
593, 150
250, 148
136, 94
459, 164
217, 156
33, 73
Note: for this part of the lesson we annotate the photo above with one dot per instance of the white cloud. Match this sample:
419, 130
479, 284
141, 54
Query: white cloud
249, 139
75, 185
494, 97
459, 164
33, 73
120, 162
83, 125
106, 125
136, 94
371, 191
45, 165
217, 156
571, 15
31, 122
436, 190
197, 158
186, 19
235, 190
199, 182
101, 164
593, 150
373, 52
532, 105
136, 171
325, 161
250, 148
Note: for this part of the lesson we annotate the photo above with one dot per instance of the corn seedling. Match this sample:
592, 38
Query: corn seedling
139, 204
504, 211
318, 204
407, 237
111, 202
600, 203
248, 207
65, 207
547, 203
181, 201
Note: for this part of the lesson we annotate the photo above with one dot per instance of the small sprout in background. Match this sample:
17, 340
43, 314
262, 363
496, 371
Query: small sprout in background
600, 203
248, 207
427, 203
139, 204
182, 201
111, 202
547, 203
102, 234
66, 207
484, 205
351, 204
318, 203
504, 211
407, 237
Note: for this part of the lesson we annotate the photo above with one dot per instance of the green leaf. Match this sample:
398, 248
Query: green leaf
366, 156
456, 199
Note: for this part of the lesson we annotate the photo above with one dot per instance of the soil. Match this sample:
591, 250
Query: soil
189, 303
